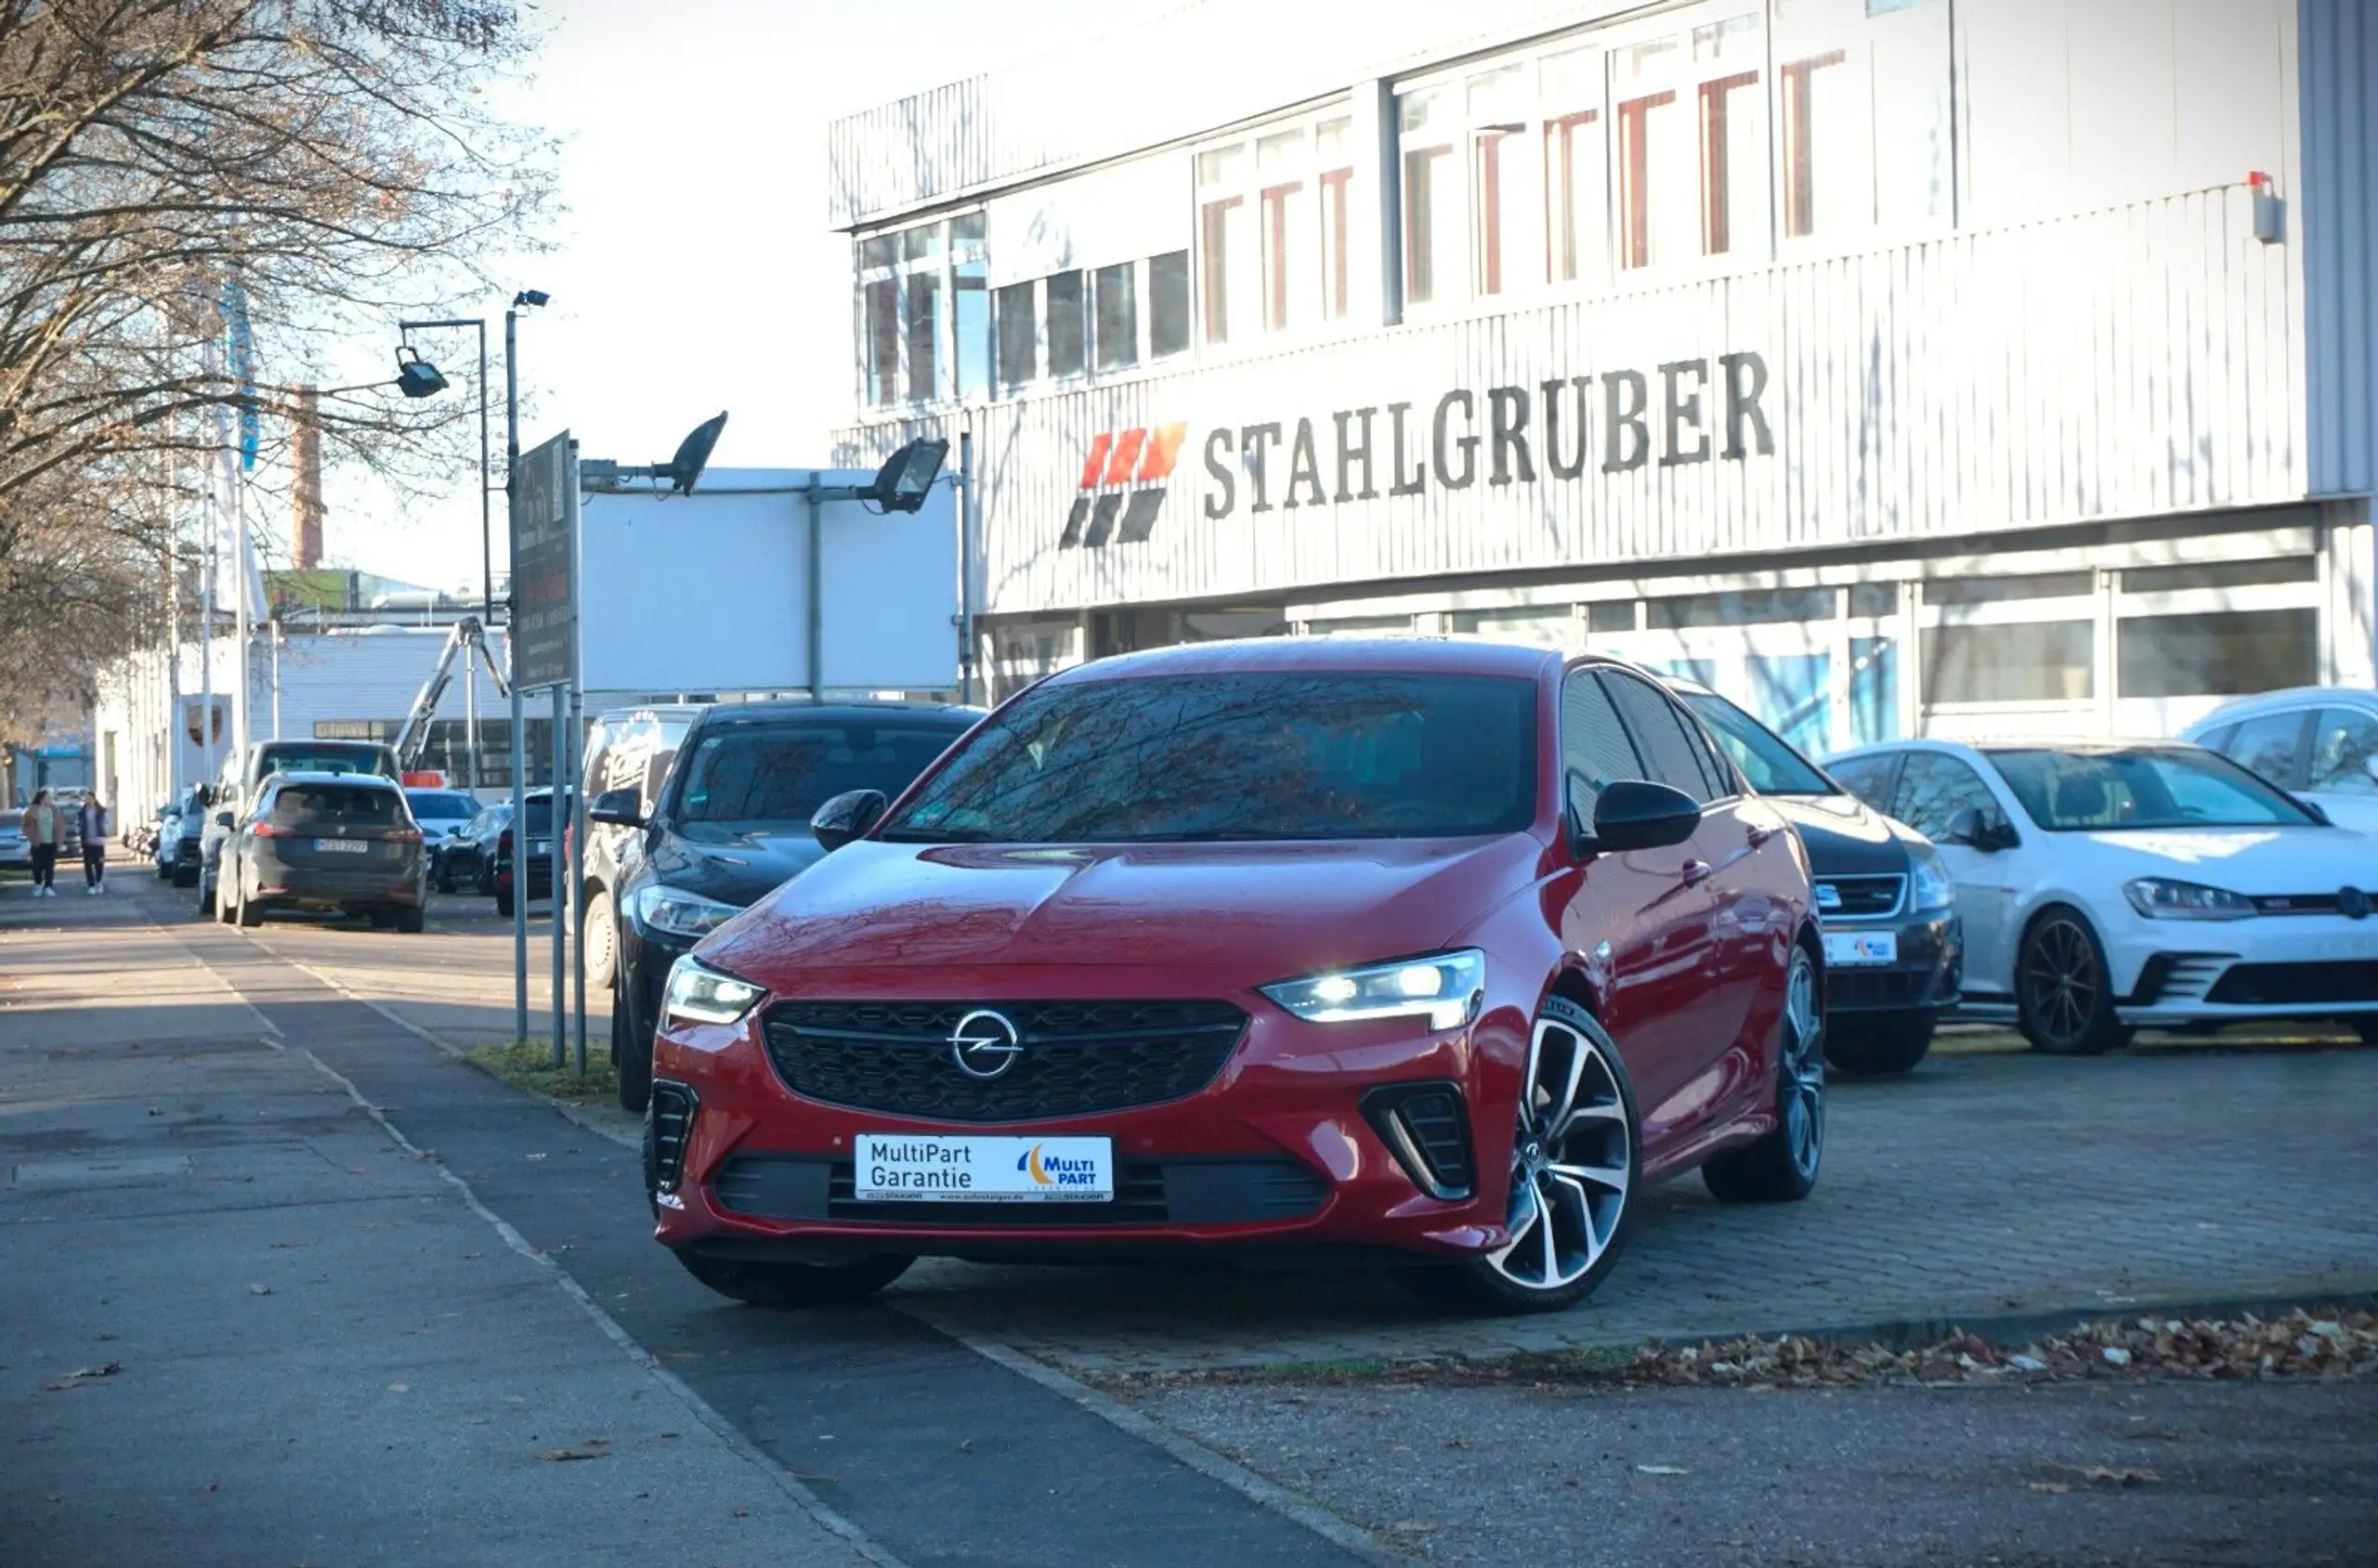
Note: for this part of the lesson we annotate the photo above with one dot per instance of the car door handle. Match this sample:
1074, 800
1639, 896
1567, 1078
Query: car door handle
1695, 871
1760, 835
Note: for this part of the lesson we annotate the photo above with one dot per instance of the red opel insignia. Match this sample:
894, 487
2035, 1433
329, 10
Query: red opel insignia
1436, 952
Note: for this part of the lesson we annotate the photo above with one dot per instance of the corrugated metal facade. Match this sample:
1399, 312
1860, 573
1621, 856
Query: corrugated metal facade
2128, 361
1178, 74
2339, 88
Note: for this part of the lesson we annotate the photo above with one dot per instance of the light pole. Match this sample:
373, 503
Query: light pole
487, 546
527, 299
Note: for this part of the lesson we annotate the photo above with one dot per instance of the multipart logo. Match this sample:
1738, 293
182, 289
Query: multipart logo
1122, 487
1051, 1171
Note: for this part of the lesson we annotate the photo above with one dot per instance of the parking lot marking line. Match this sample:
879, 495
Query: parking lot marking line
1255, 1488
828, 1518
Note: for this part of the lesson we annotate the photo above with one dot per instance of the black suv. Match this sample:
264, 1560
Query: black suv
732, 823
1894, 951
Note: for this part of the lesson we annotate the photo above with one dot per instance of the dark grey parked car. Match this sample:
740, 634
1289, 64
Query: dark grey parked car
324, 841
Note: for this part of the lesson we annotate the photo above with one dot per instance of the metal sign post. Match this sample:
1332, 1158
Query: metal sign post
544, 654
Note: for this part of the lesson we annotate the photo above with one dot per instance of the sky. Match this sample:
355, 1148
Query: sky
694, 269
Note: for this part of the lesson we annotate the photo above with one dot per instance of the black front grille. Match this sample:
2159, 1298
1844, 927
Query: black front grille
672, 1110
1859, 897
1856, 990
2291, 985
1076, 1058
1179, 1192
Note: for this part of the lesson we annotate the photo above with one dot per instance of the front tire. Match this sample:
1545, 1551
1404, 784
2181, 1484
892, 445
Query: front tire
1888, 1042
246, 912
796, 1284
1576, 1156
2063, 991
602, 936
1781, 1167
411, 920
503, 903
631, 1045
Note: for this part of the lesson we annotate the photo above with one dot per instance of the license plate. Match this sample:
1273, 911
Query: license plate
342, 846
906, 1167
1851, 947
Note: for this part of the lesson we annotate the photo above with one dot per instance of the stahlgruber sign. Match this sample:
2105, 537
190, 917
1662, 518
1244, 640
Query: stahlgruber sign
544, 566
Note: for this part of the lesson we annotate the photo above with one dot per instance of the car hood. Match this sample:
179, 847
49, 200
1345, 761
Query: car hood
2249, 860
1845, 837
737, 869
1264, 910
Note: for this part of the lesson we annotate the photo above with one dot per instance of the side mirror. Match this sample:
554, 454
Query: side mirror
1981, 830
1636, 814
846, 816
617, 808
225, 819
2315, 809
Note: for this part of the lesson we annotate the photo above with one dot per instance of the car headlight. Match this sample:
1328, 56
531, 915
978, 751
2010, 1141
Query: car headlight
2161, 898
699, 994
1444, 990
677, 911
1929, 881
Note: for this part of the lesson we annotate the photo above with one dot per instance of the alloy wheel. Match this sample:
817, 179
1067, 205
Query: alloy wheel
1573, 1168
1803, 1065
2060, 978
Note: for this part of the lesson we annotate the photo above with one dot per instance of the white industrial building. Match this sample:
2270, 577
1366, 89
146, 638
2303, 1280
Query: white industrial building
1898, 365
349, 682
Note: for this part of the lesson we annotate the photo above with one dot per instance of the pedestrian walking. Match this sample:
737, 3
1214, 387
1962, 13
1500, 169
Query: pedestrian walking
44, 831
95, 845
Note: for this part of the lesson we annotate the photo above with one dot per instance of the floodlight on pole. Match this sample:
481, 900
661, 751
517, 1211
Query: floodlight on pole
684, 471
416, 377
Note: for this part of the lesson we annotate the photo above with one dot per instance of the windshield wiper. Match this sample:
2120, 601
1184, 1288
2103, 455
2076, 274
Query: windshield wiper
936, 835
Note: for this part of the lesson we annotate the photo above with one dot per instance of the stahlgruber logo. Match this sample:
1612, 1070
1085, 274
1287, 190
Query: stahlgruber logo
1122, 487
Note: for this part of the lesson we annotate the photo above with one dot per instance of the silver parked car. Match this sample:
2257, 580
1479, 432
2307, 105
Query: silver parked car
2318, 743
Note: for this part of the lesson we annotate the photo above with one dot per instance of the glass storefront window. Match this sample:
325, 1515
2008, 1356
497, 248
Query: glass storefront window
2038, 661
1873, 690
2227, 653
1747, 608
1790, 692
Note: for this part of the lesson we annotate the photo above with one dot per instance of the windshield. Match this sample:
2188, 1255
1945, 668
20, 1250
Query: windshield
748, 776
324, 757
2083, 791
1765, 758
439, 805
1309, 756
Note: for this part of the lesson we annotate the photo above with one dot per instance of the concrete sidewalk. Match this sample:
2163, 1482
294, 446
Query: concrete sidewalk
246, 1327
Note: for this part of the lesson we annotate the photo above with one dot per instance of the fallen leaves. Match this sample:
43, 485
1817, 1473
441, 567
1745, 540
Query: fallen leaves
593, 1449
259, 1289
2116, 1475
1663, 1469
2301, 1344
82, 1375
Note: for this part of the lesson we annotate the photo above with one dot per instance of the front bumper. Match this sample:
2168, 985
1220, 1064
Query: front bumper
2269, 966
1274, 1157
1923, 977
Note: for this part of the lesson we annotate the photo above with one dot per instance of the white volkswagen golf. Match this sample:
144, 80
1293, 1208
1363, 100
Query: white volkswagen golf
2104, 885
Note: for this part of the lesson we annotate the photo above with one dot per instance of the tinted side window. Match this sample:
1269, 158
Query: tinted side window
2344, 740
1659, 735
1594, 746
337, 803
2268, 745
1869, 778
1932, 788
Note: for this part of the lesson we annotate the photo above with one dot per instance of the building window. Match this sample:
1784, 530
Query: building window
1862, 92
1063, 293
1733, 137
924, 313
1115, 297
2231, 653
2052, 662
1501, 103
1431, 200
1019, 336
1275, 219
1168, 304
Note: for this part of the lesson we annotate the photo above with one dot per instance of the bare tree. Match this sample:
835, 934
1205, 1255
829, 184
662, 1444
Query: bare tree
330, 162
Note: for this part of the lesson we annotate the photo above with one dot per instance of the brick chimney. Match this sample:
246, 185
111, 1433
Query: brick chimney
306, 503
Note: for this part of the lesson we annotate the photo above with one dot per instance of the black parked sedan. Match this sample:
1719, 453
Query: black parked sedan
465, 860
1894, 950
325, 840
732, 822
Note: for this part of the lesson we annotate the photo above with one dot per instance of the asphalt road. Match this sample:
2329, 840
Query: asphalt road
329, 1350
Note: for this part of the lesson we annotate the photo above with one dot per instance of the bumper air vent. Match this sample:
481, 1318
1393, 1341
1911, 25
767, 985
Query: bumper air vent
673, 1122
1427, 1127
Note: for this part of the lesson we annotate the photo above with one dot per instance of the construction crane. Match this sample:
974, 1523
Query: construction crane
467, 638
